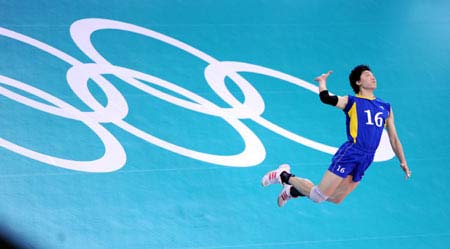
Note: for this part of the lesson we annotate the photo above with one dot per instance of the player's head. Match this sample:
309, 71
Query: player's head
360, 75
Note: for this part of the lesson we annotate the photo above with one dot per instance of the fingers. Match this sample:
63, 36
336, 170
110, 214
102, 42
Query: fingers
407, 171
323, 76
326, 74
407, 175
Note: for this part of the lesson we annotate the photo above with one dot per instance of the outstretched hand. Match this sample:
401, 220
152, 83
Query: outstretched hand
323, 77
406, 170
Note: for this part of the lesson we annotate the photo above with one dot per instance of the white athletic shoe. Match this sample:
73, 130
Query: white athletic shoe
284, 195
273, 176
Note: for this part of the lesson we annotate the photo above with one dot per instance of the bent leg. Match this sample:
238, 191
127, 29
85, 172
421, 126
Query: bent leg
327, 186
330, 182
344, 188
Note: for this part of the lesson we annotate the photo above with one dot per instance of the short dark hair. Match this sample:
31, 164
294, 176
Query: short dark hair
355, 75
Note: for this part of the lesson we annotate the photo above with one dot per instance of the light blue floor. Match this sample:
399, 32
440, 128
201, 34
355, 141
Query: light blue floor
173, 162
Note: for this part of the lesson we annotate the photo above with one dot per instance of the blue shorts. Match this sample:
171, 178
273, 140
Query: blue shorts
351, 160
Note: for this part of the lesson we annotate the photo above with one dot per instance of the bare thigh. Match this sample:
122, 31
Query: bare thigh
346, 186
336, 187
330, 183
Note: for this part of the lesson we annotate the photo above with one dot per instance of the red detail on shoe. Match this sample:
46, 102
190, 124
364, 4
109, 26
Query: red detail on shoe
273, 175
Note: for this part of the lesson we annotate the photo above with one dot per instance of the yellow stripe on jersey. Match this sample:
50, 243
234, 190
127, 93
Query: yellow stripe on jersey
353, 115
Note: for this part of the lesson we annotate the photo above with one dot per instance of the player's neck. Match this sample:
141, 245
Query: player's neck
366, 93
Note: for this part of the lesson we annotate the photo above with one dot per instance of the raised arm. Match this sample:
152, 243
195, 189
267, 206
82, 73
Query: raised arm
396, 144
338, 101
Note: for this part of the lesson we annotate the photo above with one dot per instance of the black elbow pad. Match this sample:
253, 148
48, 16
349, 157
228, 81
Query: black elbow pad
327, 99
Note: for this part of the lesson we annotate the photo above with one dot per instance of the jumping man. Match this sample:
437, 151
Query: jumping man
367, 116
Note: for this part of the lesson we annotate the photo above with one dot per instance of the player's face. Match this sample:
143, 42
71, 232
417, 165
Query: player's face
368, 80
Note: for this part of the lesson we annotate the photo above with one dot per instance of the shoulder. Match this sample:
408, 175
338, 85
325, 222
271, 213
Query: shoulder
387, 105
343, 102
381, 100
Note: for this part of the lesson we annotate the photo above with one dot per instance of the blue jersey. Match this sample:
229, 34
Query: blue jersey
366, 119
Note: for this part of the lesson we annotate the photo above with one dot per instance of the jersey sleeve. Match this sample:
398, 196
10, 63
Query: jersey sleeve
351, 100
387, 106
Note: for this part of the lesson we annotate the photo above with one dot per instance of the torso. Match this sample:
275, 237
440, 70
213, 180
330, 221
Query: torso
366, 119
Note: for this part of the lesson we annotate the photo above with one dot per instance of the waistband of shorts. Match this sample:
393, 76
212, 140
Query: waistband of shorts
362, 148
